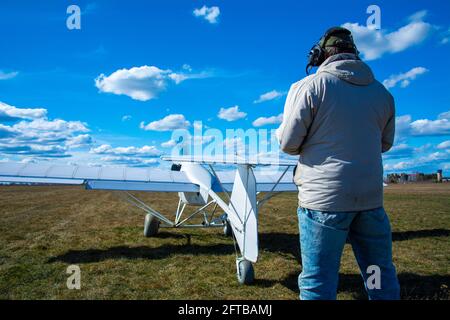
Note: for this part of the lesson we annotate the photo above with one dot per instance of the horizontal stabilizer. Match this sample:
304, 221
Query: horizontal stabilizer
233, 159
265, 181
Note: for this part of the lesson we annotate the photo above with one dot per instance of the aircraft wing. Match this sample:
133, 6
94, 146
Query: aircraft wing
132, 179
106, 178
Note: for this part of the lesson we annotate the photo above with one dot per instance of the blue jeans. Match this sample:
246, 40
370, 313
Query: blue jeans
322, 239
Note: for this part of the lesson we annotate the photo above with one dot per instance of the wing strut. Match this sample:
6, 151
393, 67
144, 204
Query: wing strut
271, 194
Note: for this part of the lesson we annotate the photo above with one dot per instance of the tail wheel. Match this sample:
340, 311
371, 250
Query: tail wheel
245, 272
151, 225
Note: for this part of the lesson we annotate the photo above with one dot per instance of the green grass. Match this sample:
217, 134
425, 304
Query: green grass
45, 229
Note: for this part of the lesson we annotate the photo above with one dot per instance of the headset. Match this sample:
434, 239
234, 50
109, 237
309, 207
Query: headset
316, 55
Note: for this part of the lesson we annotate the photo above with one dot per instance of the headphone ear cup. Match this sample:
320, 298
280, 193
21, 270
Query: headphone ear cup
316, 55
321, 57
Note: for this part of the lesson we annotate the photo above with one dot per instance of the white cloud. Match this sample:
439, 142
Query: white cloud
425, 157
126, 117
139, 83
35, 135
399, 151
195, 140
169, 144
145, 151
233, 145
435, 156
79, 141
444, 145
262, 121
373, 44
402, 126
129, 161
11, 113
401, 165
423, 127
46, 151
43, 139
271, 95
142, 83
423, 148
432, 158
178, 77
400, 147
128, 156
198, 125
444, 115
231, 114
202, 139
210, 14
8, 75
57, 125
187, 67
445, 37
168, 123
6, 132
45, 132
418, 16
404, 78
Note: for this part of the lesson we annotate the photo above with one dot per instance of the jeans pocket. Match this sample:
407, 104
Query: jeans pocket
336, 220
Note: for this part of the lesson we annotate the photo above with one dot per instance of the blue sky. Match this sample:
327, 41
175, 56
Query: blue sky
111, 92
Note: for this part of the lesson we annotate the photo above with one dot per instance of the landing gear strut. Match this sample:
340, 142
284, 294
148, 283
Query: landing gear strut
227, 231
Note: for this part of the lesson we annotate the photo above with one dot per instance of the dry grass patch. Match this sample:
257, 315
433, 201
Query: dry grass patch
45, 229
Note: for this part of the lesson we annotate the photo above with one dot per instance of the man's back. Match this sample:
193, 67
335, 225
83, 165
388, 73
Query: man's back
339, 120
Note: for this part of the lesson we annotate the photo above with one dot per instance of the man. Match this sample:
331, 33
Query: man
339, 121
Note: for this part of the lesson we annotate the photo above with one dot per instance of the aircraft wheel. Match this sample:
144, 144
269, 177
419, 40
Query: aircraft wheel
227, 230
245, 272
151, 225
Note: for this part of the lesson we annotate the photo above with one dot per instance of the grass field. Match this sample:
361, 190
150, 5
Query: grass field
44, 229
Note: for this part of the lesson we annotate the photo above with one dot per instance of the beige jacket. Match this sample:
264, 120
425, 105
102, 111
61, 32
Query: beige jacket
339, 121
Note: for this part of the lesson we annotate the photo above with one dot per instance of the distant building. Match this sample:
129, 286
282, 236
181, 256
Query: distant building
439, 176
415, 177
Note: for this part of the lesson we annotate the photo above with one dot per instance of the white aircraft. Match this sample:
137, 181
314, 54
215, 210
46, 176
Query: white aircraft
197, 183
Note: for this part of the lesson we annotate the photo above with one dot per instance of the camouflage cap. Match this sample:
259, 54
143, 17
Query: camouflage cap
337, 37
